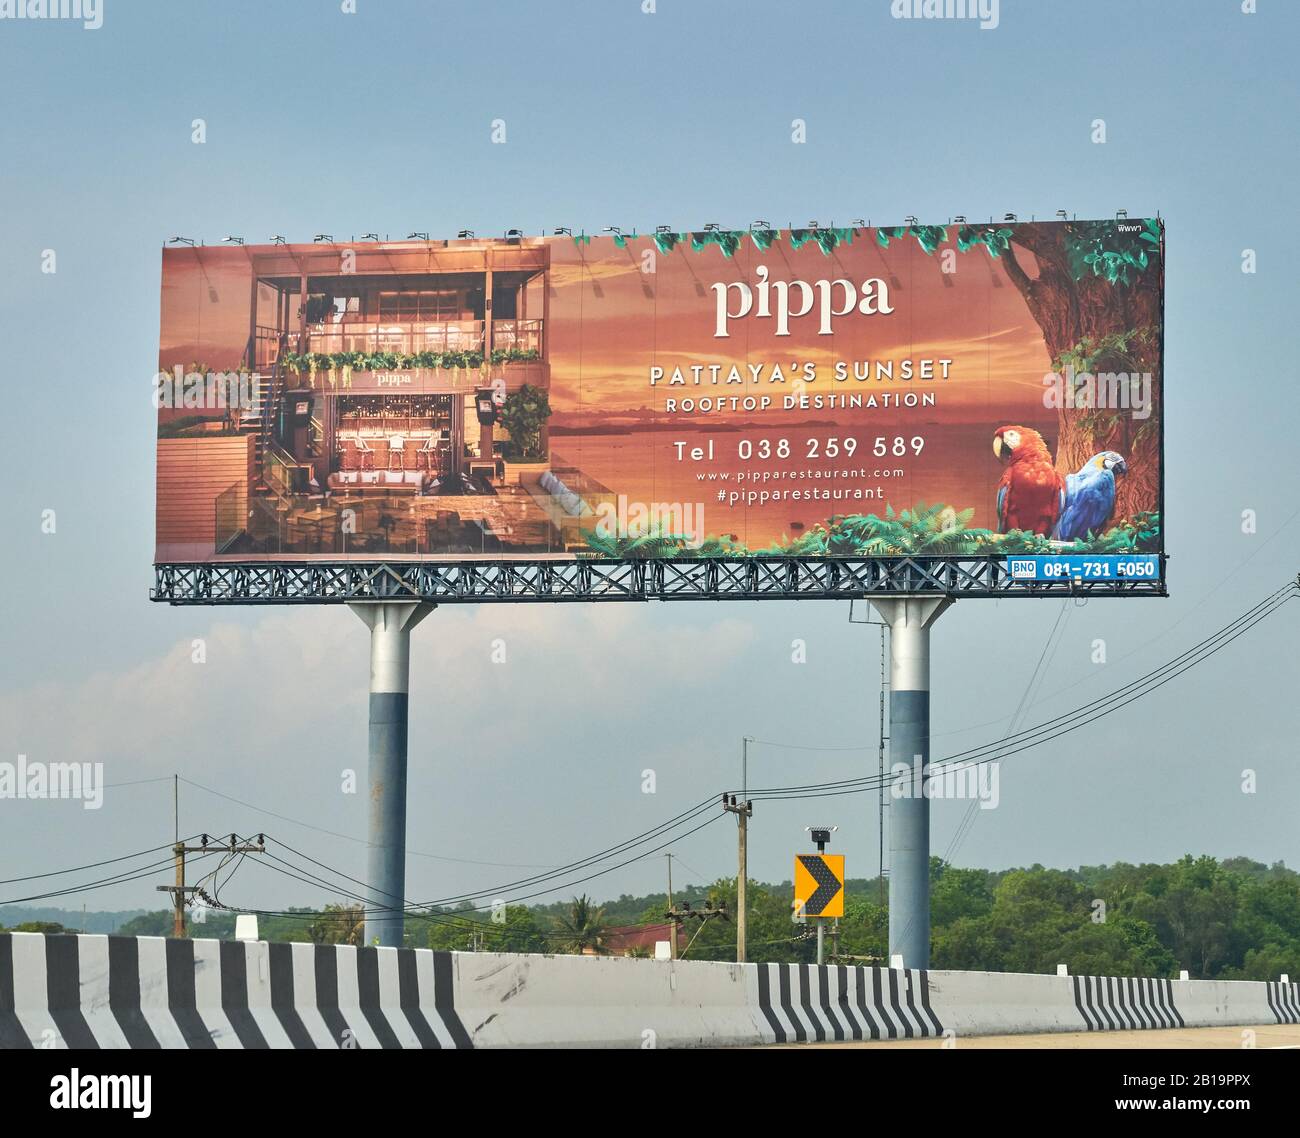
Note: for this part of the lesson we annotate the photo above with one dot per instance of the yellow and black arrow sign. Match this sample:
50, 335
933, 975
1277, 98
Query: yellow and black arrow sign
819, 885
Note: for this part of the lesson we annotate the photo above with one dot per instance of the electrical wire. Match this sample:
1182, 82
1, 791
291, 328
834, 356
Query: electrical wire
119, 879
91, 865
1065, 722
345, 837
422, 909
1011, 743
1039, 670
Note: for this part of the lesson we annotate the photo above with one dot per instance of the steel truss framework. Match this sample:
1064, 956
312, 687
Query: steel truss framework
752, 579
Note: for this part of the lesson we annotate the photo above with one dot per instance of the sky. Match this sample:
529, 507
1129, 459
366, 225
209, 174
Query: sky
532, 728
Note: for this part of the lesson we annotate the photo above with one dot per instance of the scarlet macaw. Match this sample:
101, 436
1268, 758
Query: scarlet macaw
1031, 493
1090, 496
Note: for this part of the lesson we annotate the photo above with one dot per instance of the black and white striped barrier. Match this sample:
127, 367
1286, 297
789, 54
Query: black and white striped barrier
1284, 1001
1119, 1003
804, 1003
148, 992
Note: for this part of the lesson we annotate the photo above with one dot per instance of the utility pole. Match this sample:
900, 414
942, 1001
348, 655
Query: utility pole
687, 912
672, 912
180, 891
743, 811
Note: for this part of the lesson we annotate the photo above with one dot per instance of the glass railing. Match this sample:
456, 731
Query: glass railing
401, 339
230, 515
266, 347
438, 337
517, 335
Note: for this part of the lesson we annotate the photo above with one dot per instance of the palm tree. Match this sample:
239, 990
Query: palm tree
583, 930
339, 924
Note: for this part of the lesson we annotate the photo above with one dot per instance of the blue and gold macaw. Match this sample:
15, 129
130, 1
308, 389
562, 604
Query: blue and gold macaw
1090, 496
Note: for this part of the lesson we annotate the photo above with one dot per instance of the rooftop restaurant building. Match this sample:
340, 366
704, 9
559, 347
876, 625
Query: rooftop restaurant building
381, 369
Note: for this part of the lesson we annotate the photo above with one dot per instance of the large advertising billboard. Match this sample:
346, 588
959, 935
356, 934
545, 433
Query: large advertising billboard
957, 390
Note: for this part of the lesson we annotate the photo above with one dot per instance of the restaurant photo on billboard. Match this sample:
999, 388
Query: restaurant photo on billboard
923, 390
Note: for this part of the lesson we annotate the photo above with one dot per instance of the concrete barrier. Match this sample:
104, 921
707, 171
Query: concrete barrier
803, 1003
1283, 1001
508, 1000
148, 992
1126, 1003
997, 1003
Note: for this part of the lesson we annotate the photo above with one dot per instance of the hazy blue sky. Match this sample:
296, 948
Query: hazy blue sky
319, 120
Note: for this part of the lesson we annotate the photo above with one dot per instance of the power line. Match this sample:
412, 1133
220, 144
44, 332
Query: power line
453, 921
347, 837
421, 909
92, 865
1010, 744
1036, 675
120, 879
1066, 722
673, 823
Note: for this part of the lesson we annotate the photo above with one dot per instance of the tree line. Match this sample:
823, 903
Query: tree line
1235, 919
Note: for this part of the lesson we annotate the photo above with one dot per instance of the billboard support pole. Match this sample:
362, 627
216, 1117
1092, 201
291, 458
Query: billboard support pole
390, 624
909, 620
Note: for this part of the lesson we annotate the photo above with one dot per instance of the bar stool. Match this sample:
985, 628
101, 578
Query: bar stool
396, 450
365, 454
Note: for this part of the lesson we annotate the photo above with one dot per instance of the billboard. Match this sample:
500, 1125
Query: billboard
957, 390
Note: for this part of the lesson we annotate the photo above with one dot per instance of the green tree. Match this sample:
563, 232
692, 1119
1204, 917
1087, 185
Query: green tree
1094, 289
1195, 914
517, 931
582, 929
158, 923
523, 414
956, 893
339, 924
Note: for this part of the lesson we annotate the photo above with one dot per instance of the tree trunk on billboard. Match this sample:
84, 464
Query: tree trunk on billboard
1070, 312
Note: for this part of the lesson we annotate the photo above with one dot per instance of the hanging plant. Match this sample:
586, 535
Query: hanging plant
929, 237
1103, 249
319, 307
726, 240
996, 240
827, 239
667, 242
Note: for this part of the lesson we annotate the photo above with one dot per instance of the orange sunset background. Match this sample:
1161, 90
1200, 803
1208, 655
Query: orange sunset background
611, 322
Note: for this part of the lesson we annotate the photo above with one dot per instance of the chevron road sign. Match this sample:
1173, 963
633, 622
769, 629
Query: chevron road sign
819, 884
